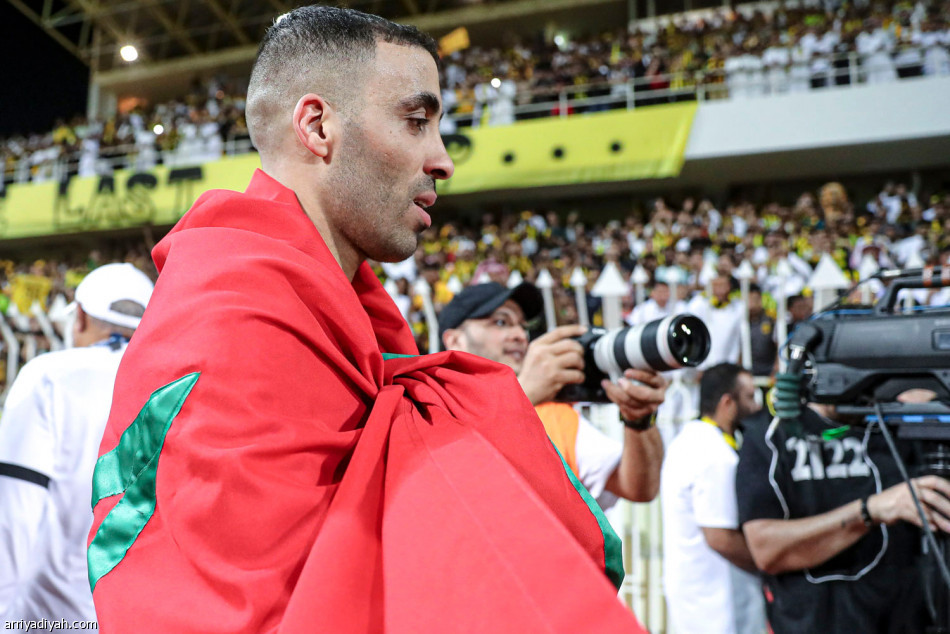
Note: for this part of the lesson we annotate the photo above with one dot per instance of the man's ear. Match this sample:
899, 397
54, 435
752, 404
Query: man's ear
315, 124
452, 339
82, 321
725, 400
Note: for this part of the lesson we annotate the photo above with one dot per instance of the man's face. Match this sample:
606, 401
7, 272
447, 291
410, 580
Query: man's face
725, 265
660, 294
802, 309
755, 303
721, 288
744, 396
384, 168
775, 246
499, 337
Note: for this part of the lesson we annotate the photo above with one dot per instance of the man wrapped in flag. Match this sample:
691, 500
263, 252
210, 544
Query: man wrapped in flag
277, 459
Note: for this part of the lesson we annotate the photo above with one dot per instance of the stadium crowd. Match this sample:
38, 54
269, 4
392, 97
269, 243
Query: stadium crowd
688, 243
721, 53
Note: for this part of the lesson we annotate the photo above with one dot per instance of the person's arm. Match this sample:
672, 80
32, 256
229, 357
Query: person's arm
731, 544
637, 477
553, 360
784, 545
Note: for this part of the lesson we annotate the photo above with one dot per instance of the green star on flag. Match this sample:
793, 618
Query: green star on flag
131, 469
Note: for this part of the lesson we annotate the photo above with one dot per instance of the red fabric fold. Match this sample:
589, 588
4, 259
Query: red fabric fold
309, 486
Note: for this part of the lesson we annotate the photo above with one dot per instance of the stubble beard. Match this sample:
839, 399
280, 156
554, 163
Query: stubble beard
475, 347
367, 211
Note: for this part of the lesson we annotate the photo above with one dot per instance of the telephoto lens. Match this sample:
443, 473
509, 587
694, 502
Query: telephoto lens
670, 343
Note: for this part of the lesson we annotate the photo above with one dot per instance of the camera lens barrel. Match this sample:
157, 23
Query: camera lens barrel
670, 343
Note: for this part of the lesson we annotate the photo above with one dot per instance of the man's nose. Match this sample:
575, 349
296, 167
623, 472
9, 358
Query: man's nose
439, 166
518, 333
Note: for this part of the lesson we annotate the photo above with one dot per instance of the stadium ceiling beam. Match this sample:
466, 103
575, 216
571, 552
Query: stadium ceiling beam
50, 29
122, 77
71, 14
106, 20
228, 19
180, 36
63, 16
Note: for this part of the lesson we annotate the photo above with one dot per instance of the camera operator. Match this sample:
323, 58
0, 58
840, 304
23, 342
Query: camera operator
489, 320
830, 524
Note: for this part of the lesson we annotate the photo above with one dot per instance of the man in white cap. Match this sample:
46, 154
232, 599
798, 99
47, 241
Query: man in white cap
50, 431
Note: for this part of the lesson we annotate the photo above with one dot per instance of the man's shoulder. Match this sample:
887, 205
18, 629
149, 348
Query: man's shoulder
60, 363
698, 443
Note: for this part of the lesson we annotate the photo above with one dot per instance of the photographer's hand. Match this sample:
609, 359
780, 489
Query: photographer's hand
553, 360
638, 393
637, 400
896, 503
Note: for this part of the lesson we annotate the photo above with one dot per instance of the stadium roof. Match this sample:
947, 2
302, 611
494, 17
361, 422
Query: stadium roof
95, 30
177, 39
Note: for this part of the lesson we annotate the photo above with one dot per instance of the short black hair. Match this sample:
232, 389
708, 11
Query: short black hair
331, 31
717, 381
755, 288
794, 299
321, 49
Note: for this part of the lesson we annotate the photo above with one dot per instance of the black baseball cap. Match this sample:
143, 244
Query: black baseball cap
481, 300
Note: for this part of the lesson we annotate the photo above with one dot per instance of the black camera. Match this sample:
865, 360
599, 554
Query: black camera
670, 343
856, 357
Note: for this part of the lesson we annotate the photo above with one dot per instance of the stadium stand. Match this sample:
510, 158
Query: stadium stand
717, 54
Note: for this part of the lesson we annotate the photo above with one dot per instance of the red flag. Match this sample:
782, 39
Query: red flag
279, 476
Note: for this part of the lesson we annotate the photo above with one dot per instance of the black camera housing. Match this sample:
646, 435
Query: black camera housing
854, 358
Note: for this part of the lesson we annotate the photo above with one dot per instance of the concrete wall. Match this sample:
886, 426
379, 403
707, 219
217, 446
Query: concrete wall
833, 117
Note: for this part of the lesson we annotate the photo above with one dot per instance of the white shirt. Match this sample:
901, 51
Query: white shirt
52, 426
598, 456
705, 593
904, 249
777, 59
723, 325
650, 311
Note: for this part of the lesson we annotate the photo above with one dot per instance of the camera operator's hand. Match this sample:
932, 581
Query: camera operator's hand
553, 360
896, 503
637, 400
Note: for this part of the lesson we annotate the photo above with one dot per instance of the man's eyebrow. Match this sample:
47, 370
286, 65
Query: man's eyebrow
425, 100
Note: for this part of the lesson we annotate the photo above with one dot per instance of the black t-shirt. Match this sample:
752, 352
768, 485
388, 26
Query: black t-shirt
762, 333
873, 586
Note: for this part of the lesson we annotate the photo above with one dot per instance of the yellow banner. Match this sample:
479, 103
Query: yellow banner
603, 147
456, 40
26, 289
125, 199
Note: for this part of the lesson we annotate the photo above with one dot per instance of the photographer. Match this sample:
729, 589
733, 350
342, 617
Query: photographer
830, 524
489, 320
